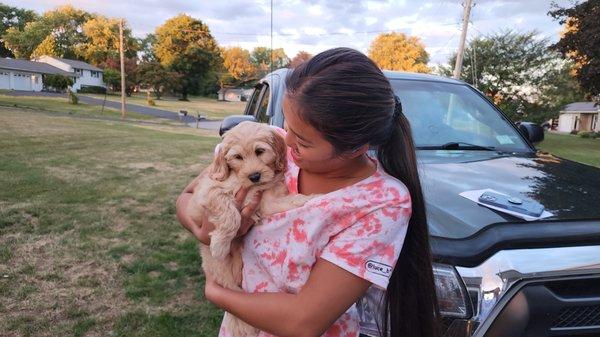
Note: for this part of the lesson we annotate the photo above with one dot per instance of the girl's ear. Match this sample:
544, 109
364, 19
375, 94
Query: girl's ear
219, 170
277, 142
357, 152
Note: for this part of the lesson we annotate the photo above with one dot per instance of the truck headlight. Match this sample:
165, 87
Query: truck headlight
451, 292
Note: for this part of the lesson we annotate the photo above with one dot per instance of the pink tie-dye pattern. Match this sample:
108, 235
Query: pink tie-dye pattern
363, 222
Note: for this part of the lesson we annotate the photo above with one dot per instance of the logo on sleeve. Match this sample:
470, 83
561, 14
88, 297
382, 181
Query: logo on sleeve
379, 268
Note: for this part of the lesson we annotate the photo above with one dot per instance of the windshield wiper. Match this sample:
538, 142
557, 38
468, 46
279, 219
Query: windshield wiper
458, 146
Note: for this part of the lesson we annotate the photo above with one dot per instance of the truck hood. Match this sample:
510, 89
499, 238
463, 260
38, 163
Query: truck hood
569, 190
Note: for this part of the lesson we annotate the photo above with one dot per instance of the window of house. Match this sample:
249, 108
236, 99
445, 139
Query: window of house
95, 73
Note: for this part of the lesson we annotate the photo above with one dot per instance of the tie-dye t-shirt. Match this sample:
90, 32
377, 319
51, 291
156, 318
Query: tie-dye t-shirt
360, 228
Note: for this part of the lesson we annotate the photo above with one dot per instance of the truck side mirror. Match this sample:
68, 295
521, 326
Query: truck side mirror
231, 121
532, 131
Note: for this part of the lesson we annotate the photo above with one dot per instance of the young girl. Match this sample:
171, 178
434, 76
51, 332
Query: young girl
304, 269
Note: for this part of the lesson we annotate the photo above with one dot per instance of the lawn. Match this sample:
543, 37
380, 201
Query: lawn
59, 105
89, 242
209, 107
584, 150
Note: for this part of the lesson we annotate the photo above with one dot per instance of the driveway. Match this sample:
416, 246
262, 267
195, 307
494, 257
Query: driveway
158, 113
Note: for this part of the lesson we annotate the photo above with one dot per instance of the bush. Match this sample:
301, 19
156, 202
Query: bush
591, 134
574, 132
73, 99
151, 102
58, 82
92, 89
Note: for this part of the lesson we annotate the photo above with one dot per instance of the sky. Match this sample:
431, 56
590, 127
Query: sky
317, 25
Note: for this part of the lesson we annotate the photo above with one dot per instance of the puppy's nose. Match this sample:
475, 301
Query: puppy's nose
254, 177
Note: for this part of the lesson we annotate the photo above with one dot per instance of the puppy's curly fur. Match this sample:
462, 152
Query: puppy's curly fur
251, 155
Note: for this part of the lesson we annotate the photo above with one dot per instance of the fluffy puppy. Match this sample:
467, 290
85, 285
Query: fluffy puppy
251, 155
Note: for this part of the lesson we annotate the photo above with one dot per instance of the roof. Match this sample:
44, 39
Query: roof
31, 66
577, 107
77, 64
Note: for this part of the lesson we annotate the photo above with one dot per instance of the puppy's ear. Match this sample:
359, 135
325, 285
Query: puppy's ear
219, 170
278, 144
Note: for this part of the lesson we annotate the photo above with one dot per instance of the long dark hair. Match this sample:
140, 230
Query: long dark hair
346, 97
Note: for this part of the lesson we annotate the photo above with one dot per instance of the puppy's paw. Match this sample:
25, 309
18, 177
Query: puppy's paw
219, 247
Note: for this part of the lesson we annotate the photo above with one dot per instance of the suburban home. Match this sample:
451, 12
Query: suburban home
85, 73
234, 94
16, 74
579, 116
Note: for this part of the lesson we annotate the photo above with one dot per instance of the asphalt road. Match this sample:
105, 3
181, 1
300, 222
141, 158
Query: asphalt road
158, 113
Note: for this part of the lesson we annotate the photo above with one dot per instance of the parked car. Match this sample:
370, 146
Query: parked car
496, 275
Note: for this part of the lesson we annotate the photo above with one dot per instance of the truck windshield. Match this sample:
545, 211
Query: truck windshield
454, 116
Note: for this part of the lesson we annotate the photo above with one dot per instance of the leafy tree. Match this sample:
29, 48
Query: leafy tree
102, 40
154, 75
64, 23
261, 58
238, 64
47, 47
112, 78
131, 79
300, 58
58, 82
185, 45
580, 42
518, 73
147, 48
13, 17
396, 51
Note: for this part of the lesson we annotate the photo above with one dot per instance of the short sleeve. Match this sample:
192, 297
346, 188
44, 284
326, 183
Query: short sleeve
370, 247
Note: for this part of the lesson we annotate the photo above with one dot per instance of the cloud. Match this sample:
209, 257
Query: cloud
316, 25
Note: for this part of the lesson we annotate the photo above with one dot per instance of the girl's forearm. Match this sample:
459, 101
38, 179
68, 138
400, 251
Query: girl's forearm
275, 313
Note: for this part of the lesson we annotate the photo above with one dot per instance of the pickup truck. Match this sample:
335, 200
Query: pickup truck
496, 274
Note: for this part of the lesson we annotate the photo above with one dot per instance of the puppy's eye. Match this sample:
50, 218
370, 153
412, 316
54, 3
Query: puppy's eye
259, 151
238, 157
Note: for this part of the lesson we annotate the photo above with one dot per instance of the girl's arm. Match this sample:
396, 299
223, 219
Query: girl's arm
328, 293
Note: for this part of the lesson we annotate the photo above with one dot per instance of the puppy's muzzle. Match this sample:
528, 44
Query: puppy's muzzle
254, 177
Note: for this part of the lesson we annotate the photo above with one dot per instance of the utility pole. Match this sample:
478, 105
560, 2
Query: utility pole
463, 37
122, 54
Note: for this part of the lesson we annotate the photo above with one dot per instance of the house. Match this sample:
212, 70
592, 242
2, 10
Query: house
85, 73
27, 75
234, 94
579, 116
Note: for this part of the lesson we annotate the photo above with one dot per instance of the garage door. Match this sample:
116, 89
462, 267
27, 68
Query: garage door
21, 81
566, 122
4, 80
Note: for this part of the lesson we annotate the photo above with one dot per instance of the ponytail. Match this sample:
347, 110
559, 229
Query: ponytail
410, 307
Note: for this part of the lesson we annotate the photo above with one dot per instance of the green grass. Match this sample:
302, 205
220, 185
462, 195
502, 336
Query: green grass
89, 241
61, 106
209, 107
572, 147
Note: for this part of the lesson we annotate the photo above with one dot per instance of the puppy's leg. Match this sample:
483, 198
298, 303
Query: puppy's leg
227, 220
275, 201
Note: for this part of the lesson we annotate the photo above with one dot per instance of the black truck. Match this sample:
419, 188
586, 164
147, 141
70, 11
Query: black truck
496, 274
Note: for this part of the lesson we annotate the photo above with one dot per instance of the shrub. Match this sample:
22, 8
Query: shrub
588, 134
57, 82
73, 99
151, 102
92, 89
574, 132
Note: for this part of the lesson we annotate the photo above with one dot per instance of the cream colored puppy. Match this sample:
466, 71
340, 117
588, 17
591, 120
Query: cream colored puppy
251, 155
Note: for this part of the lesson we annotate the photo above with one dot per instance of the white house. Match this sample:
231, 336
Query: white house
85, 73
579, 116
16, 74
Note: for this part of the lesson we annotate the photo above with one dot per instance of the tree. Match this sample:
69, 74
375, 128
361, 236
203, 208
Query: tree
263, 58
580, 42
131, 79
300, 58
154, 75
64, 23
47, 47
518, 73
147, 48
102, 40
396, 51
112, 78
58, 82
185, 45
13, 17
238, 64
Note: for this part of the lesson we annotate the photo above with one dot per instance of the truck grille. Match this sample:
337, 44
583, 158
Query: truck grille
582, 316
